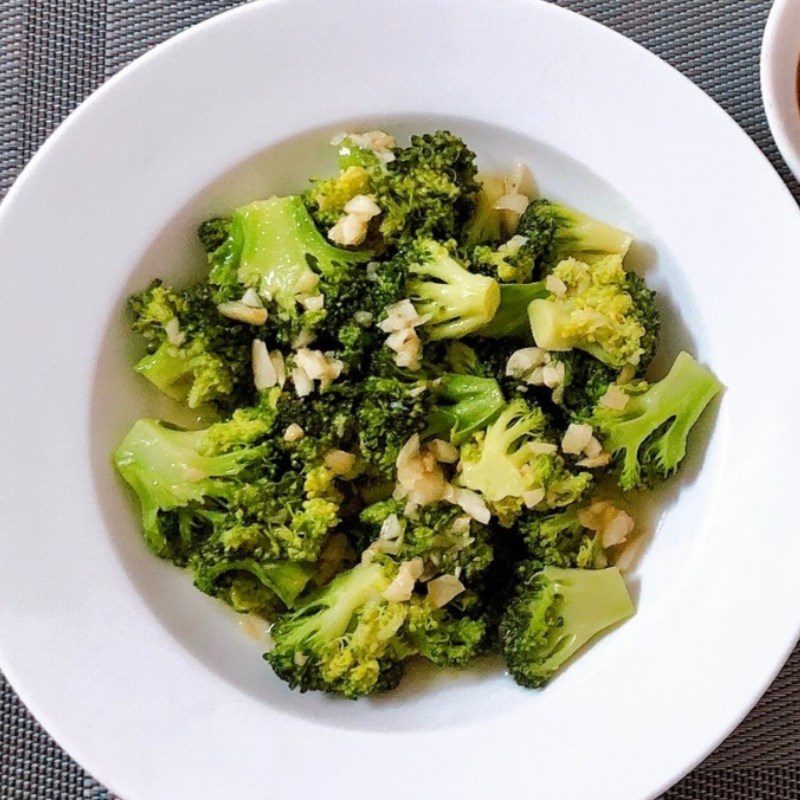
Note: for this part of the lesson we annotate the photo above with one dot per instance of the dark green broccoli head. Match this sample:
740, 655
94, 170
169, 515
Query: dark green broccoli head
559, 540
445, 639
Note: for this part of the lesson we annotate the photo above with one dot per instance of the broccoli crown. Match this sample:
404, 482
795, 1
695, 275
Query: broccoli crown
513, 465
455, 301
512, 262
648, 436
391, 410
443, 638
344, 638
559, 540
554, 232
195, 355
556, 612
446, 539
586, 380
428, 190
595, 313
169, 469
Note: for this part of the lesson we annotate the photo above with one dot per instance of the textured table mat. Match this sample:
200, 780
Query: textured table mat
55, 52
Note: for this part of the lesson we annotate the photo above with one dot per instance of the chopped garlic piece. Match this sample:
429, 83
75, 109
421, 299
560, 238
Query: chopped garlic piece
380, 143
612, 524
471, 502
303, 385
340, 462
314, 303
306, 283
175, 336
240, 312
293, 433
523, 361
390, 538
408, 348
265, 375
555, 285
401, 588
443, 589
533, 497
542, 448
576, 438
593, 448
614, 398
419, 476
280, 366
364, 205
318, 366
444, 451
401, 315
553, 374
591, 462
250, 298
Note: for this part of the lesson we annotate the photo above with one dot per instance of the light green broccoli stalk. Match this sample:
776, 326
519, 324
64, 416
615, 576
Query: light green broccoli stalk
595, 312
511, 319
554, 614
648, 436
486, 223
455, 301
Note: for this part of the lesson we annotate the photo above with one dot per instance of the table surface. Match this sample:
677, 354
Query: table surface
53, 53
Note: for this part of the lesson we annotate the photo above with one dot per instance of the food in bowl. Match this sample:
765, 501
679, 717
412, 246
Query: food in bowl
417, 385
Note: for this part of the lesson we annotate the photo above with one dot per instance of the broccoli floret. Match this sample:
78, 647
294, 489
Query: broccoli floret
169, 469
455, 301
514, 465
559, 540
440, 534
554, 232
512, 262
344, 638
441, 637
554, 614
390, 412
462, 405
596, 313
511, 318
648, 436
586, 380
327, 198
486, 223
428, 190
249, 584
195, 355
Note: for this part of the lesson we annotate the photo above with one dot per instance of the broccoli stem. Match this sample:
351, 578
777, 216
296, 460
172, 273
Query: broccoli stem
511, 320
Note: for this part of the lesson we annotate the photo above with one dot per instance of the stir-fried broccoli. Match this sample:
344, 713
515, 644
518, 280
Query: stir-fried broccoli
649, 434
596, 312
407, 394
554, 614
554, 232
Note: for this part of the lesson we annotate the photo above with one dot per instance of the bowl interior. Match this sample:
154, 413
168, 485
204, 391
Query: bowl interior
231, 645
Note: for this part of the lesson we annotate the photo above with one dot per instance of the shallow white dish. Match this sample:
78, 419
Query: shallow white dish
152, 686
780, 54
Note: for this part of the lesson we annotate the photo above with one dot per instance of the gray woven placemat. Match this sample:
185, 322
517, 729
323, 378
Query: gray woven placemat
54, 52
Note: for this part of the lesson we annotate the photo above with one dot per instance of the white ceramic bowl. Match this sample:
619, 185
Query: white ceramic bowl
153, 686
780, 55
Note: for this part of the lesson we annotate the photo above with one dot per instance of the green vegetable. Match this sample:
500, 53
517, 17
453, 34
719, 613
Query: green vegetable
649, 435
555, 232
596, 313
455, 301
554, 614
511, 319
